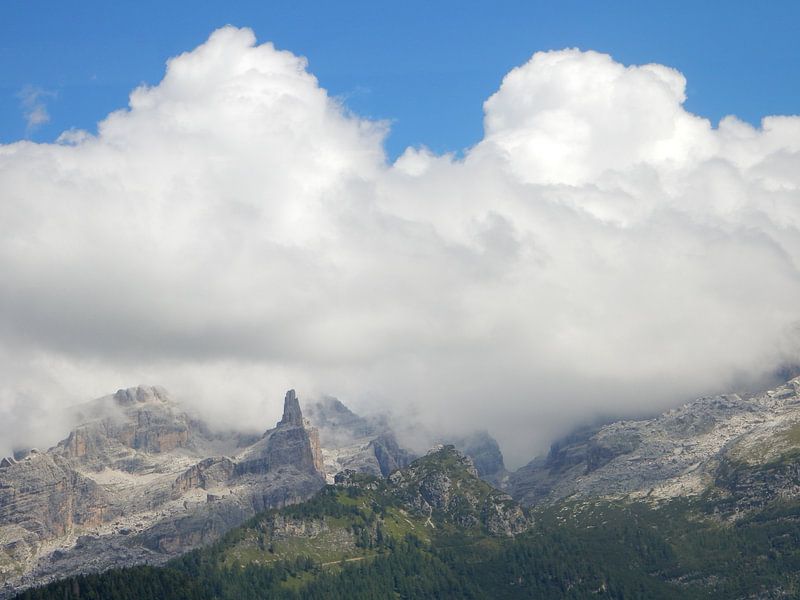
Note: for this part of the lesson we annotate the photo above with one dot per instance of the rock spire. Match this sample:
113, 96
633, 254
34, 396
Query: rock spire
292, 415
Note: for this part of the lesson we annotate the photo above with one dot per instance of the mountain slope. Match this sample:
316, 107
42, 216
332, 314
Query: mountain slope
683, 452
349, 441
415, 536
140, 480
700, 502
360, 519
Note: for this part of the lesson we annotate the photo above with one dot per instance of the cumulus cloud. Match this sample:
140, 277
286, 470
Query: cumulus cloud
236, 231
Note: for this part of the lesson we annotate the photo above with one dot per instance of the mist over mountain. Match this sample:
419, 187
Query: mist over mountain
701, 501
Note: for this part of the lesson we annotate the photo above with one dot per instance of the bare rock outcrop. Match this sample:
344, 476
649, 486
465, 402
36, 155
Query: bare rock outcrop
444, 486
141, 419
350, 441
485, 452
44, 495
293, 442
292, 415
207, 474
141, 480
738, 446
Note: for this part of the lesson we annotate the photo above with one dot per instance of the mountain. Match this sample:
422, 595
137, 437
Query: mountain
485, 452
741, 447
435, 530
702, 501
359, 519
368, 444
349, 441
140, 480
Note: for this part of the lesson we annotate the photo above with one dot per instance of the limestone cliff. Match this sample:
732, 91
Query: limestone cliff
292, 415
140, 480
350, 441
485, 452
740, 447
293, 442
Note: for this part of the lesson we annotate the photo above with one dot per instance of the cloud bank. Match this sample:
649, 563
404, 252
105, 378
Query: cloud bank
236, 231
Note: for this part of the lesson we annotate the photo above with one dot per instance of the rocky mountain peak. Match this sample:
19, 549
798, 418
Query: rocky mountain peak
138, 479
292, 415
350, 441
444, 486
710, 444
141, 395
485, 452
293, 442
330, 412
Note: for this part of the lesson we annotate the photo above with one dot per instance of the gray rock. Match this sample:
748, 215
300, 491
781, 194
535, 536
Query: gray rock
292, 416
140, 481
293, 442
389, 454
349, 441
717, 444
444, 486
485, 452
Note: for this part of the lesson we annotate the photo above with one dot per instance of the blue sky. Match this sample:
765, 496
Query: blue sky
425, 66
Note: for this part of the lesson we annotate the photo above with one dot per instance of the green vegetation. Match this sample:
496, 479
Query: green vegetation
365, 540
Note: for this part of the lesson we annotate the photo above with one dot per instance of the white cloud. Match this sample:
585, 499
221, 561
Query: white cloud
570, 116
34, 109
236, 231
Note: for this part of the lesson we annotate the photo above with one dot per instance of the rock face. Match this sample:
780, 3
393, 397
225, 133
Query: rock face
48, 498
292, 416
388, 453
742, 447
444, 487
207, 474
295, 442
140, 419
349, 441
292, 443
485, 452
141, 480
440, 490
